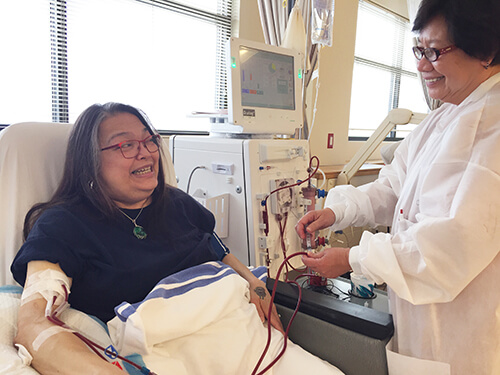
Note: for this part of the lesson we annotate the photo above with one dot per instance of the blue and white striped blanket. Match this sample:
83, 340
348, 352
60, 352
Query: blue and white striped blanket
200, 321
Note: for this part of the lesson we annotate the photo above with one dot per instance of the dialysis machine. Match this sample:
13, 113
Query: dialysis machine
244, 173
234, 178
257, 186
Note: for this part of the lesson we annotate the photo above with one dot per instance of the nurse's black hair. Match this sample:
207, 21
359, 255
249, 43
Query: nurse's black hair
473, 25
81, 179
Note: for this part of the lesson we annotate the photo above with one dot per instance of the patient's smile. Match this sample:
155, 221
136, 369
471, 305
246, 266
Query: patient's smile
142, 171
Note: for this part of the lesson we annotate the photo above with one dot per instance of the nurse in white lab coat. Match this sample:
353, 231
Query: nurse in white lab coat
441, 197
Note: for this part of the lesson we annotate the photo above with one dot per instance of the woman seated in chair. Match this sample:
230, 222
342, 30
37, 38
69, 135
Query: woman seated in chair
112, 230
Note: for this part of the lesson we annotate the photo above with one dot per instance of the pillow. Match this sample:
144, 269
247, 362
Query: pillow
10, 362
91, 327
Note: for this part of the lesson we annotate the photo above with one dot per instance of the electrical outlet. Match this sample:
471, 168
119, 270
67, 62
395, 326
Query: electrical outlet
329, 141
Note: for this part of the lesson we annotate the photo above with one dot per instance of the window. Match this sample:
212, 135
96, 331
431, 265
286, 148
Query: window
384, 75
25, 64
164, 57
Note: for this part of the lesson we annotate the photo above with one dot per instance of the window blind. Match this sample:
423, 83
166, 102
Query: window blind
165, 57
384, 74
225, 9
59, 61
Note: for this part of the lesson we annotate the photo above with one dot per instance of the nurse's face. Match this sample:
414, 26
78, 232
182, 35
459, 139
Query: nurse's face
454, 75
128, 182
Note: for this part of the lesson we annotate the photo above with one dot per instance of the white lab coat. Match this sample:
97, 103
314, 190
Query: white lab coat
441, 261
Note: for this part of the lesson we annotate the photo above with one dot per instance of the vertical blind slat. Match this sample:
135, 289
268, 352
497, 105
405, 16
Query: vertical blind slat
59, 62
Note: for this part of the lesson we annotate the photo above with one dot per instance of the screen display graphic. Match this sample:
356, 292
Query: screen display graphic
267, 79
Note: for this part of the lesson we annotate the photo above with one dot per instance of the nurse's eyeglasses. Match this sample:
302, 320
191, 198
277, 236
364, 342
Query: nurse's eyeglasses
130, 149
431, 54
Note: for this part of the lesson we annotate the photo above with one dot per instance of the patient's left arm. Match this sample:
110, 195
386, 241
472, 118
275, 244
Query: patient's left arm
259, 295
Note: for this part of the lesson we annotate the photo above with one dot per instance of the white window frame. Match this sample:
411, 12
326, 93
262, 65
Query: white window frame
395, 68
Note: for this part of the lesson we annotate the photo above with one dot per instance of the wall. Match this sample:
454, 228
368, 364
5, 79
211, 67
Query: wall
249, 21
336, 64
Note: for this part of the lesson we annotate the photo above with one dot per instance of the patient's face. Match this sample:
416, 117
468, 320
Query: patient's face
129, 182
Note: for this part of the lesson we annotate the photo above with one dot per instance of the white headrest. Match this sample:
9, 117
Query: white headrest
32, 158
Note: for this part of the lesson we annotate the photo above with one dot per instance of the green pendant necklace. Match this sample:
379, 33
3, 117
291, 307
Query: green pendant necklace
139, 231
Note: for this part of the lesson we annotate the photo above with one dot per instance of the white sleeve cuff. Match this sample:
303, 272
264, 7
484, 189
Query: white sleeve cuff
354, 260
338, 210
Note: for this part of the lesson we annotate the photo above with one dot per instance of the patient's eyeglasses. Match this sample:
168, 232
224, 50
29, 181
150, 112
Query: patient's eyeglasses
431, 54
130, 149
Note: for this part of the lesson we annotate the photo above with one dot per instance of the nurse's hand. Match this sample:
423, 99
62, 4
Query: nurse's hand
330, 263
313, 221
261, 298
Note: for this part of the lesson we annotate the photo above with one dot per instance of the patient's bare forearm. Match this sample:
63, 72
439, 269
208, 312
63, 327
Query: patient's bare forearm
240, 268
59, 353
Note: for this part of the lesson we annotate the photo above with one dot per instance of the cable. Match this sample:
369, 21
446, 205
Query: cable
283, 246
304, 275
282, 238
285, 338
191, 175
324, 178
316, 97
53, 318
285, 263
340, 290
265, 218
298, 183
310, 175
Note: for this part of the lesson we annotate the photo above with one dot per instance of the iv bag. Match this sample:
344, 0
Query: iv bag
322, 22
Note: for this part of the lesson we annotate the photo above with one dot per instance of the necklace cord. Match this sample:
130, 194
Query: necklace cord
132, 220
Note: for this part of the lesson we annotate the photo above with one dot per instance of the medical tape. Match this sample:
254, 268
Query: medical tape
50, 284
46, 334
24, 354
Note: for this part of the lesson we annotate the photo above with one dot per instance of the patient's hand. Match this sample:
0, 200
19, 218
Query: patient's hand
261, 298
259, 295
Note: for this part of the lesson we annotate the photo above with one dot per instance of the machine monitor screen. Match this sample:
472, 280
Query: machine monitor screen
264, 89
267, 79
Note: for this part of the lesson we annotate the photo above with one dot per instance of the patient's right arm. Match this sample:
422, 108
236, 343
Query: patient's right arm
60, 353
